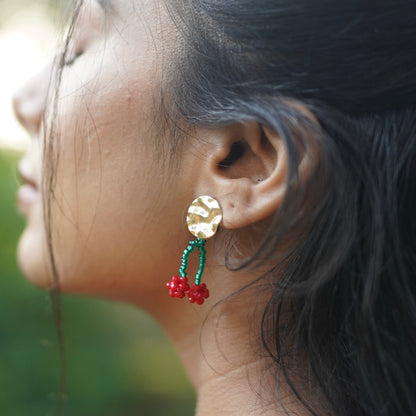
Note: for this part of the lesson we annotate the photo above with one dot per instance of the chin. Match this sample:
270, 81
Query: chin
33, 258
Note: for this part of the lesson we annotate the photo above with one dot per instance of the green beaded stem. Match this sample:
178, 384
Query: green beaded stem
199, 243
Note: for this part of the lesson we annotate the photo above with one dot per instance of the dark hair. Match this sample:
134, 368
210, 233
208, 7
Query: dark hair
347, 287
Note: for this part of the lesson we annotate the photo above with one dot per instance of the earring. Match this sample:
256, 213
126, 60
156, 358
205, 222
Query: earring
203, 219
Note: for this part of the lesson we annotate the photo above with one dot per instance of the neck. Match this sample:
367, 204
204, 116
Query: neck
221, 352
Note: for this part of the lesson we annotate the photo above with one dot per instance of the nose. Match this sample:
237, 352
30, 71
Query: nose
30, 100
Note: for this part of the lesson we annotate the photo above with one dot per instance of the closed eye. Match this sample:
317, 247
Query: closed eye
86, 27
68, 61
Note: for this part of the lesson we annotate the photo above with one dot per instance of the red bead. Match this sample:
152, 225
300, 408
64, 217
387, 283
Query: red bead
198, 293
178, 286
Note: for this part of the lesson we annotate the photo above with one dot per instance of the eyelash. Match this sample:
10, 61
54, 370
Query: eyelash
79, 41
69, 61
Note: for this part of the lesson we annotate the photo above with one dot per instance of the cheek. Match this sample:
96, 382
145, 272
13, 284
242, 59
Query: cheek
109, 207
111, 233
112, 238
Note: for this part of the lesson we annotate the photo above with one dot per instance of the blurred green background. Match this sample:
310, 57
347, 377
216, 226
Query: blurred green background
118, 360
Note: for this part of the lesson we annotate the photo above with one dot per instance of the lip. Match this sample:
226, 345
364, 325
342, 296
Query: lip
28, 194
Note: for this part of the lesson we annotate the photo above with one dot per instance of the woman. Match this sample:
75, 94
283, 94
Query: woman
299, 119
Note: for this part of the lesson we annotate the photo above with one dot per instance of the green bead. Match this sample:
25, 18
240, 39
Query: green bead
199, 243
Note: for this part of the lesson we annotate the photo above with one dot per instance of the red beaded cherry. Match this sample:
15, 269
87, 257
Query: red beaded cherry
177, 286
198, 293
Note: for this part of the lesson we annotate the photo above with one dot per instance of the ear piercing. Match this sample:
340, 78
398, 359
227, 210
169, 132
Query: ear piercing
203, 219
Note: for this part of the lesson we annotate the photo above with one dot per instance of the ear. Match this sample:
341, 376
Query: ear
247, 173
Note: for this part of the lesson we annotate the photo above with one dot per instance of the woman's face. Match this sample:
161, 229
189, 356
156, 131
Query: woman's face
116, 215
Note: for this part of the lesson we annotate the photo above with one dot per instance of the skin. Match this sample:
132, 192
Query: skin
118, 212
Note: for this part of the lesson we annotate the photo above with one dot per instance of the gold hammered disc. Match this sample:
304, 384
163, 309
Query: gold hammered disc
204, 217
